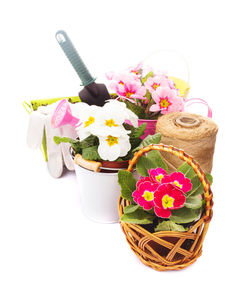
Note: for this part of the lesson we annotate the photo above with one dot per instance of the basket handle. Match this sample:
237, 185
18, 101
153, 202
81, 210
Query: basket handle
178, 54
185, 157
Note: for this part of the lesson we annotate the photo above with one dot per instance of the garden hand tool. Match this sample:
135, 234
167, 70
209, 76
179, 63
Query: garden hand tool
93, 93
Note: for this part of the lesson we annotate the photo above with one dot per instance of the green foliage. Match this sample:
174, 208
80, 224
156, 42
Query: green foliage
197, 187
187, 170
185, 215
152, 160
169, 226
59, 140
135, 135
193, 202
139, 111
156, 157
127, 183
145, 78
139, 216
91, 153
77, 145
150, 139
143, 165
148, 96
74, 143
130, 209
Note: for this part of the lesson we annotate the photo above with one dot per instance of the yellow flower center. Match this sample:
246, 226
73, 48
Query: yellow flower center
177, 184
155, 85
110, 123
128, 94
167, 202
135, 72
148, 196
122, 83
89, 121
159, 177
112, 140
164, 103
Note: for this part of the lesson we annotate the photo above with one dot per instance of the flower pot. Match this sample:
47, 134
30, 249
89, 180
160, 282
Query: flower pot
99, 191
150, 128
169, 250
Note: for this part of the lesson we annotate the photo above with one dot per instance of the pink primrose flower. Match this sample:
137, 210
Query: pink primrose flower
136, 70
131, 90
144, 194
143, 179
153, 83
117, 81
167, 198
156, 175
166, 101
179, 180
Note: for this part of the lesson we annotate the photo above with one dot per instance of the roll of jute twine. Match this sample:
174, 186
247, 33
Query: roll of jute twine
193, 133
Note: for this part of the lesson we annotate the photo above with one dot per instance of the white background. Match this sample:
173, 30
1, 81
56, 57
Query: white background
46, 243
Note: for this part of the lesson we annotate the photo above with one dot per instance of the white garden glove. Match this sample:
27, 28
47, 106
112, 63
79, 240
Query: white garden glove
58, 155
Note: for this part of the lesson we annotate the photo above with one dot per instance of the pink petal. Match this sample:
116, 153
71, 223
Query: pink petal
161, 212
156, 97
155, 108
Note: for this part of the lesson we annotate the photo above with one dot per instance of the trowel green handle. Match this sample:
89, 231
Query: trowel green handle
74, 58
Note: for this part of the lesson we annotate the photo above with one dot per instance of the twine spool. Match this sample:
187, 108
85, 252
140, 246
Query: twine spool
195, 134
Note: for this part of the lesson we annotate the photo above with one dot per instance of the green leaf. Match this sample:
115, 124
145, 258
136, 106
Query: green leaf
59, 140
156, 158
128, 127
143, 165
193, 202
127, 183
187, 170
197, 187
169, 226
209, 178
135, 135
90, 141
148, 96
138, 217
91, 153
139, 131
152, 160
150, 139
139, 111
185, 215
145, 78
76, 144
130, 209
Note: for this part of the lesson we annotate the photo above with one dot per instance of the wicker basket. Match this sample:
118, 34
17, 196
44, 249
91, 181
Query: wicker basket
169, 250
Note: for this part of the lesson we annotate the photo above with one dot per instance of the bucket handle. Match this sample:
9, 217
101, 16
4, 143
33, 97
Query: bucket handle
191, 101
88, 164
174, 52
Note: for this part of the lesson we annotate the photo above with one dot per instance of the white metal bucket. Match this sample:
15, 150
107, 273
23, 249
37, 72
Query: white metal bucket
99, 194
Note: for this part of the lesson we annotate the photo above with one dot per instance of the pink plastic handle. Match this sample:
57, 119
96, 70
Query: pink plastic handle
191, 101
63, 116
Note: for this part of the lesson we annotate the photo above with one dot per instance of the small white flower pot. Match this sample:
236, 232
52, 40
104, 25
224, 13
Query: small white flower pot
99, 193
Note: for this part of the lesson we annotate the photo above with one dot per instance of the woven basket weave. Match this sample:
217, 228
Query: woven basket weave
169, 250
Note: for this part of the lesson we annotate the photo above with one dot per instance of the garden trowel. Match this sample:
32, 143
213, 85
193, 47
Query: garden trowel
92, 93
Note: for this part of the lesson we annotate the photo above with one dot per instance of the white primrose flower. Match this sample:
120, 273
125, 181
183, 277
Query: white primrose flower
111, 147
90, 118
110, 123
120, 107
